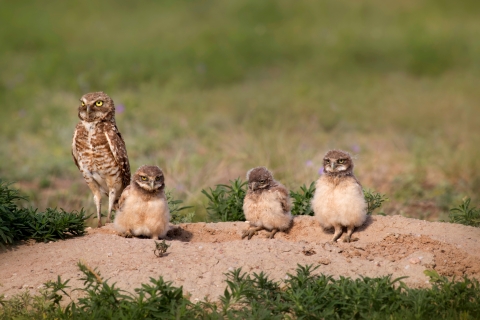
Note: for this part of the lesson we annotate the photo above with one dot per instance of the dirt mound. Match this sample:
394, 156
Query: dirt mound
201, 253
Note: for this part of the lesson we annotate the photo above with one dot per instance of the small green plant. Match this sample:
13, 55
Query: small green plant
225, 202
53, 287
301, 200
55, 224
303, 295
465, 215
26, 223
175, 210
374, 200
160, 248
9, 214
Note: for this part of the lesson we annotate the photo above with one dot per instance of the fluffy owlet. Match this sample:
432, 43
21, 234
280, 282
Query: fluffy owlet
338, 201
143, 208
99, 150
267, 203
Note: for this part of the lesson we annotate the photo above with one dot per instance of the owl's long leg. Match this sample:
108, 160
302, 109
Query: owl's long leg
272, 233
338, 232
250, 232
97, 198
348, 236
111, 201
98, 204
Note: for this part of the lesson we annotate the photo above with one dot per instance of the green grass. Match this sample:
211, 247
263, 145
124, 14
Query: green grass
303, 295
225, 202
213, 88
374, 200
176, 208
18, 223
301, 200
463, 214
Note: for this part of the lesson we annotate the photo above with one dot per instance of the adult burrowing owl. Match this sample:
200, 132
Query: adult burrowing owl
267, 203
143, 208
99, 150
338, 201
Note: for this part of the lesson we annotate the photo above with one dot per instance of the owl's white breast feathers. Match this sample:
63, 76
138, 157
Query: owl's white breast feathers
89, 127
339, 202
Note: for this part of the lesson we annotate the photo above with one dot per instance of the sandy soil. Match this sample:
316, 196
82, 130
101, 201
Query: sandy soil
201, 253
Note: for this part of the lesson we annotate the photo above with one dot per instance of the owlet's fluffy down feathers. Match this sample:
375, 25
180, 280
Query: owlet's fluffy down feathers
99, 150
338, 201
143, 208
267, 204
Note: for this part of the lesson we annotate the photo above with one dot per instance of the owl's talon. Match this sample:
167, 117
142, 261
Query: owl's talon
272, 233
349, 239
250, 232
126, 234
334, 240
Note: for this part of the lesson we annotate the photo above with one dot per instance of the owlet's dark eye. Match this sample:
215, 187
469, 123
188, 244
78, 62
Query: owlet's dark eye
99, 103
158, 178
143, 178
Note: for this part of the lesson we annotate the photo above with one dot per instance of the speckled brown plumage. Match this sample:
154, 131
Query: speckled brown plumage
99, 150
267, 204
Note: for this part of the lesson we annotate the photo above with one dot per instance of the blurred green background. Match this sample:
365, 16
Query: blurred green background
209, 89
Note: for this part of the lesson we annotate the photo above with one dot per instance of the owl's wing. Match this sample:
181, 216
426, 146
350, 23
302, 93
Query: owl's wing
117, 146
125, 194
284, 197
358, 182
74, 148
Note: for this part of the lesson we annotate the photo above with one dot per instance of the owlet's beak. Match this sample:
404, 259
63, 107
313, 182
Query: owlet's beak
152, 183
253, 186
333, 165
88, 109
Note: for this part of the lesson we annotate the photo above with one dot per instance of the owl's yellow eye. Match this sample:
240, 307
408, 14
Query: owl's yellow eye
99, 103
341, 161
143, 178
83, 104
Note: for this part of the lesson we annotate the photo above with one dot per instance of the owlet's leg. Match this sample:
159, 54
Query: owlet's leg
272, 233
348, 236
111, 199
250, 232
338, 232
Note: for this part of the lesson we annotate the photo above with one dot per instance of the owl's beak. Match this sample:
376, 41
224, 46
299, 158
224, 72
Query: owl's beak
253, 186
333, 165
152, 183
88, 110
